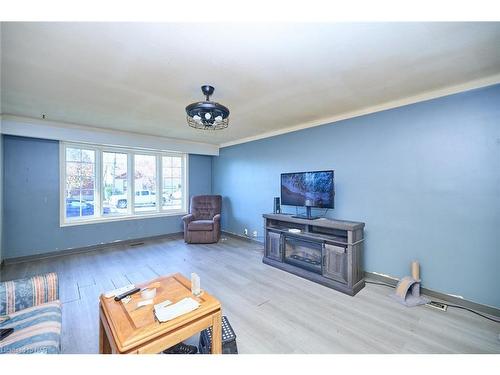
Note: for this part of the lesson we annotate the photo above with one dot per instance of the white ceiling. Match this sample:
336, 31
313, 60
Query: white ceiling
139, 77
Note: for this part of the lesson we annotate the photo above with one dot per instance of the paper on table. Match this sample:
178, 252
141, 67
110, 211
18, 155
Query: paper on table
165, 312
163, 304
145, 302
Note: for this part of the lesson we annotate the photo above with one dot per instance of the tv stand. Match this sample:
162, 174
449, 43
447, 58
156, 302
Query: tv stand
324, 251
307, 216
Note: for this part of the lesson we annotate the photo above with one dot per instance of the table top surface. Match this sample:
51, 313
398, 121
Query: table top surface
132, 326
321, 222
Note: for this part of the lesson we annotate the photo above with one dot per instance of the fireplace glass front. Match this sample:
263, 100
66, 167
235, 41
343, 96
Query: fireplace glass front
304, 254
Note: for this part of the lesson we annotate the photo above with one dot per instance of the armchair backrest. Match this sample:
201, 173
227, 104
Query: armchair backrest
205, 207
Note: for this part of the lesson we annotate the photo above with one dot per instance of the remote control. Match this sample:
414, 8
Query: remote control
4, 332
123, 295
116, 292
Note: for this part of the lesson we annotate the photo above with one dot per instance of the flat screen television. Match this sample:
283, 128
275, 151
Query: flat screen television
309, 189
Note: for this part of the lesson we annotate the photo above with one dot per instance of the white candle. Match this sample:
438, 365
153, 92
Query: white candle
195, 284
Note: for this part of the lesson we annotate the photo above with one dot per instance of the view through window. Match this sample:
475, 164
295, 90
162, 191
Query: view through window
103, 183
172, 182
114, 181
145, 183
80, 182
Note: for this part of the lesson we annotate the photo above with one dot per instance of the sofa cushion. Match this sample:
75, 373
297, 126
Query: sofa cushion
201, 225
36, 330
20, 294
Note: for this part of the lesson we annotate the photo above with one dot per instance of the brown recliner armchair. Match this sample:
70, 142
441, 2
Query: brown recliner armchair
202, 225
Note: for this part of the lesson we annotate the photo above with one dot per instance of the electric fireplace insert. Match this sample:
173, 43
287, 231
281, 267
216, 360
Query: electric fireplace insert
304, 254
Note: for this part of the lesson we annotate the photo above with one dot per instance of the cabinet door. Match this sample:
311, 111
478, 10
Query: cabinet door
335, 263
273, 245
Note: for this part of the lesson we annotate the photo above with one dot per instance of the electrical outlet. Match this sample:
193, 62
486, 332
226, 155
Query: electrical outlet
245, 231
254, 233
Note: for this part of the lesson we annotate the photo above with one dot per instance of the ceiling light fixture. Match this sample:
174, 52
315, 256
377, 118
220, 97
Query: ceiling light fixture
207, 115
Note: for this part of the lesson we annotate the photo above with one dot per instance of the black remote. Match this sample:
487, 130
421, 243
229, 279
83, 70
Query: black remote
123, 295
4, 332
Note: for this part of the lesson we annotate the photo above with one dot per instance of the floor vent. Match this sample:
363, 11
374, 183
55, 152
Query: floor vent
136, 244
437, 305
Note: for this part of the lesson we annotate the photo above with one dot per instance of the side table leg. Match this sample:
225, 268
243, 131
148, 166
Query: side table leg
104, 347
217, 333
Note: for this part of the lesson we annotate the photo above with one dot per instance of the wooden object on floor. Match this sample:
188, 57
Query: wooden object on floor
124, 328
324, 251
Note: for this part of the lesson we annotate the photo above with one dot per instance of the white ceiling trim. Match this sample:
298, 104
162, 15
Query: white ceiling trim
482, 82
61, 131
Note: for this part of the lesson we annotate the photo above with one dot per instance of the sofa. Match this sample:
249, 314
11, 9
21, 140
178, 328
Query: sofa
31, 306
202, 224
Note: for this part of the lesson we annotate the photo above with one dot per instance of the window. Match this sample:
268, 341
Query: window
114, 183
79, 193
172, 182
100, 183
145, 183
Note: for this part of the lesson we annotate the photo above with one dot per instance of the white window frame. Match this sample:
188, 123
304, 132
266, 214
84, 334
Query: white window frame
98, 216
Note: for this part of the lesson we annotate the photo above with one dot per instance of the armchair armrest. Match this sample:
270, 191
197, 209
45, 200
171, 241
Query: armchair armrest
216, 220
23, 293
188, 218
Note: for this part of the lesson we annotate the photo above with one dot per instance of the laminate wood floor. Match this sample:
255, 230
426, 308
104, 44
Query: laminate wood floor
270, 310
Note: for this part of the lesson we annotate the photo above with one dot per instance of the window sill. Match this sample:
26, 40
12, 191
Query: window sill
101, 220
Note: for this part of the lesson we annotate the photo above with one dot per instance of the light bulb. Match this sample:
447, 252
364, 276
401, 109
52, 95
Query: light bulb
208, 116
218, 118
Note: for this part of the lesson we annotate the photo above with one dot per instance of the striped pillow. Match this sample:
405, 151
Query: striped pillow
20, 294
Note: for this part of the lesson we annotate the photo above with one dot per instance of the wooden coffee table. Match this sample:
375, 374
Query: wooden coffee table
125, 329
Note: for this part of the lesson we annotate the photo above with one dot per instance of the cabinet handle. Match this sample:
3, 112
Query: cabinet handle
324, 260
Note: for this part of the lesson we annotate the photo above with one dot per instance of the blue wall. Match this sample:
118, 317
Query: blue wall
1, 196
425, 178
31, 203
200, 175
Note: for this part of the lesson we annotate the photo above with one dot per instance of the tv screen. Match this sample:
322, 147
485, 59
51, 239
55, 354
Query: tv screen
313, 189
